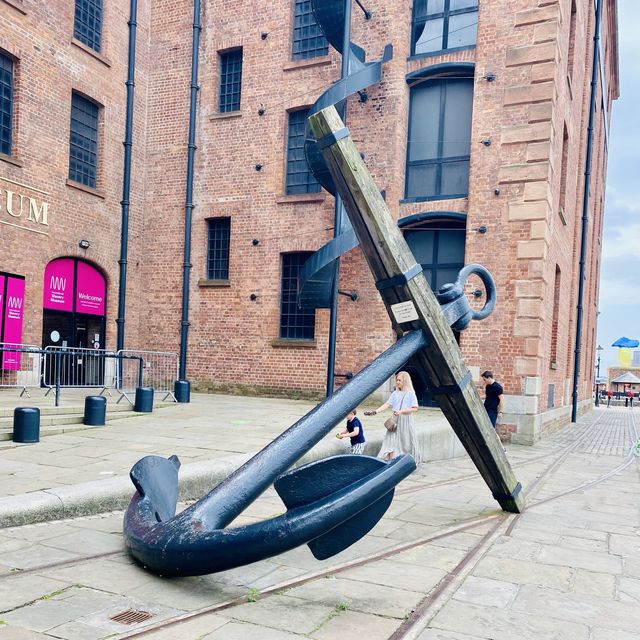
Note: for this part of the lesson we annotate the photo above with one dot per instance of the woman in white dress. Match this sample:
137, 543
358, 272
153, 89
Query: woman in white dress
404, 403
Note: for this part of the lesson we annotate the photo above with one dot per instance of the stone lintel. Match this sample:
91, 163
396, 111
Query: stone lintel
539, 210
529, 308
531, 54
531, 249
545, 32
537, 132
536, 15
541, 112
540, 230
539, 151
525, 172
537, 191
532, 386
529, 288
529, 93
526, 366
527, 328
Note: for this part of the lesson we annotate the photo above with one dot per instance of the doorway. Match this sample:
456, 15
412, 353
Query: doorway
74, 318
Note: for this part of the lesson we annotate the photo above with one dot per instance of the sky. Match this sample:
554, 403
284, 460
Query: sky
619, 303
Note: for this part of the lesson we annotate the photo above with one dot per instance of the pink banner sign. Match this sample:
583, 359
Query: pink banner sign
1, 303
58, 285
13, 317
90, 288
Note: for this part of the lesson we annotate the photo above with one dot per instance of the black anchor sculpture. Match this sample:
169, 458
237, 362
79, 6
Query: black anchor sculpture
330, 503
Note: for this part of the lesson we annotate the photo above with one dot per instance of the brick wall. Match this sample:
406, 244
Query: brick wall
526, 188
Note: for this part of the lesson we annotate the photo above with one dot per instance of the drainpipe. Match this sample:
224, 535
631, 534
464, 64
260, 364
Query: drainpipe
182, 387
585, 208
338, 214
126, 178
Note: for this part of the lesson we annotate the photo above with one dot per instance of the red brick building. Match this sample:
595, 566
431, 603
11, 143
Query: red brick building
477, 133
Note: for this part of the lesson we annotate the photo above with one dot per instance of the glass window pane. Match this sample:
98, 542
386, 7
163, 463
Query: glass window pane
424, 119
463, 30
455, 178
299, 178
446, 275
421, 180
434, 6
421, 245
451, 246
295, 323
88, 23
6, 104
428, 274
457, 118
428, 37
462, 4
230, 81
308, 39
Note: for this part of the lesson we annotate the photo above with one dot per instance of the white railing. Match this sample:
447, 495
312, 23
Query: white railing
139, 368
20, 366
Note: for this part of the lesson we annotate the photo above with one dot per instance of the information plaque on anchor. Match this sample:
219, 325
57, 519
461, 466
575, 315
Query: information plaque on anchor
404, 312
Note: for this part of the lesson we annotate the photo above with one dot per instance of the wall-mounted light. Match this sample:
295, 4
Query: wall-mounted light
255, 242
482, 229
477, 293
264, 35
253, 296
259, 167
364, 96
496, 191
261, 110
486, 142
490, 77
84, 244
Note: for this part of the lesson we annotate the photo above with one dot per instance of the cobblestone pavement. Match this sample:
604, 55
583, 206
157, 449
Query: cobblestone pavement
443, 564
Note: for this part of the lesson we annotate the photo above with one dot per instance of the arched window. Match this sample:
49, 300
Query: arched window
439, 141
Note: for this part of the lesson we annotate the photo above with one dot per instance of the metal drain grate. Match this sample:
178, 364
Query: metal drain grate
131, 616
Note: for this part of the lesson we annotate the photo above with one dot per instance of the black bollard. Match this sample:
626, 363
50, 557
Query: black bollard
182, 391
95, 410
26, 424
144, 400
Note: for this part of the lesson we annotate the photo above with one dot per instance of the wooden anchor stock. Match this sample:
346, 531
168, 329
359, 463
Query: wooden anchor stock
412, 305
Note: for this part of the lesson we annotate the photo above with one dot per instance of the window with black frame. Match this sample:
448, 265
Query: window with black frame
439, 145
299, 176
83, 142
218, 241
308, 39
87, 25
295, 323
230, 81
440, 25
6, 104
439, 247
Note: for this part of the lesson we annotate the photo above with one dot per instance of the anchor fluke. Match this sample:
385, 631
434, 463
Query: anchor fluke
341, 474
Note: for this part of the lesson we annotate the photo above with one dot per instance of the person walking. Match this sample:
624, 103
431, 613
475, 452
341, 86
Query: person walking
355, 432
403, 439
494, 397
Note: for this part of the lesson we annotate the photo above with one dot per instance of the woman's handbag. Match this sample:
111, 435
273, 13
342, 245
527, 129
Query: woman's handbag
391, 424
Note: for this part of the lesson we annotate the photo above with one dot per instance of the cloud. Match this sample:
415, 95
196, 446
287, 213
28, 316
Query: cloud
623, 241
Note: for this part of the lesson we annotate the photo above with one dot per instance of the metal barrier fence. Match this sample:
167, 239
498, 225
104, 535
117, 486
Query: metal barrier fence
159, 369
55, 368
20, 366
